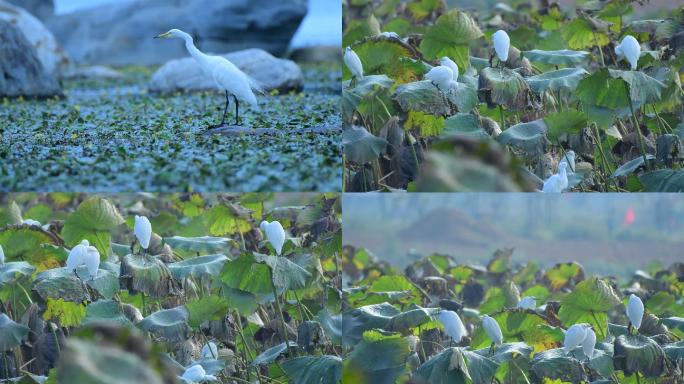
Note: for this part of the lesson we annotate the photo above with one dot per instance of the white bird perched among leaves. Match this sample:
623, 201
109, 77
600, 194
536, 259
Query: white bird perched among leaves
143, 230
630, 50
557, 182
589, 343
635, 311
453, 325
447, 62
275, 234
441, 76
574, 336
492, 329
225, 74
388, 35
502, 44
352, 61
84, 253
2, 256
210, 350
31, 222
569, 159
527, 302
197, 374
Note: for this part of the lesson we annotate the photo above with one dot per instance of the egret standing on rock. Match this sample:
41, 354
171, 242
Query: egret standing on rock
453, 325
143, 231
274, 233
352, 61
558, 181
502, 44
630, 50
493, 330
635, 311
225, 74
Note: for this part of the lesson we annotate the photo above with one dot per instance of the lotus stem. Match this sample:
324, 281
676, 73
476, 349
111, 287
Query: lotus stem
642, 148
593, 315
503, 120
603, 60
283, 328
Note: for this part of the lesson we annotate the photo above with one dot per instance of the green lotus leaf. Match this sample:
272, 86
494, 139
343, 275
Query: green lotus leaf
11, 333
171, 324
629, 167
14, 271
10, 214
589, 303
503, 86
663, 180
271, 354
147, 274
464, 124
361, 146
554, 364
566, 78
93, 220
24, 243
638, 353
58, 284
105, 311
422, 96
286, 274
209, 307
200, 245
314, 369
529, 137
377, 359
451, 35
561, 57
521, 325
361, 319
198, 267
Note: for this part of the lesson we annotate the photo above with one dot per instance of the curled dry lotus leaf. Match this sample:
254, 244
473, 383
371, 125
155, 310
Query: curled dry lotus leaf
555, 365
638, 353
159, 248
147, 274
12, 272
171, 324
59, 283
11, 333
505, 87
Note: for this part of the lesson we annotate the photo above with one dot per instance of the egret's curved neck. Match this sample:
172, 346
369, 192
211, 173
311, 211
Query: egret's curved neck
190, 46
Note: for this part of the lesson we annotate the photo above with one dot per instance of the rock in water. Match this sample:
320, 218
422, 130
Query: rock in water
121, 33
49, 51
21, 73
271, 73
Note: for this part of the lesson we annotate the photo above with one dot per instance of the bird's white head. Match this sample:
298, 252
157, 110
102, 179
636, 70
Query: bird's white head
85, 242
172, 33
263, 225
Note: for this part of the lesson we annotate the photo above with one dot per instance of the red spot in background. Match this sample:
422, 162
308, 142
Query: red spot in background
629, 217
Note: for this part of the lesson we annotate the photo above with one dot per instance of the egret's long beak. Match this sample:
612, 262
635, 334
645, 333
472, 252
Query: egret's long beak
163, 35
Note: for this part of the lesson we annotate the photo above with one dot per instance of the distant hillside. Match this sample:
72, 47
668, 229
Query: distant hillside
451, 226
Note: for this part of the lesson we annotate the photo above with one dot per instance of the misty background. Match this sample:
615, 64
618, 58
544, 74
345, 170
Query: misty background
607, 233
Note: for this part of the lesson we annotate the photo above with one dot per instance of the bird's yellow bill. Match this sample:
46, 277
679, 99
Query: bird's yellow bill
163, 35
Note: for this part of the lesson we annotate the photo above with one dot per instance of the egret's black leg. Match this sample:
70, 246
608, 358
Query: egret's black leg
237, 115
225, 110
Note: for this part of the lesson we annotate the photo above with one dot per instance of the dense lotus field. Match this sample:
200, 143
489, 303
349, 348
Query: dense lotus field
506, 124
206, 296
397, 328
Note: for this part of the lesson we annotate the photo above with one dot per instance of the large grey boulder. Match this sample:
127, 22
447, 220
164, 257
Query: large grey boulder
42, 9
270, 72
121, 33
21, 73
50, 53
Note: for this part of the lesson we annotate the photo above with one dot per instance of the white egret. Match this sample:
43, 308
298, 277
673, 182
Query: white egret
92, 261
492, 329
197, 374
31, 222
630, 50
527, 302
2, 256
389, 34
502, 44
453, 325
210, 350
275, 234
225, 74
569, 159
447, 62
352, 61
635, 311
77, 255
589, 343
574, 336
558, 181
143, 230
441, 76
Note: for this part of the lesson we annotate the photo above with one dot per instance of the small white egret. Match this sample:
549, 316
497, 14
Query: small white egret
441, 76
447, 62
143, 230
557, 182
31, 222
527, 302
352, 61
635, 311
502, 44
569, 159
630, 50
453, 325
389, 34
589, 343
492, 329
92, 261
574, 336
210, 350
274, 233
2, 256
197, 374
225, 74
77, 255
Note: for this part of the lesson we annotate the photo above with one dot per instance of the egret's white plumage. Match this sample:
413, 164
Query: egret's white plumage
275, 234
447, 62
589, 343
453, 325
389, 34
574, 336
77, 255
92, 261
2, 256
492, 329
197, 374
635, 311
227, 77
441, 76
502, 44
630, 50
143, 230
31, 222
352, 61
558, 181
527, 302
569, 160
210, 350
